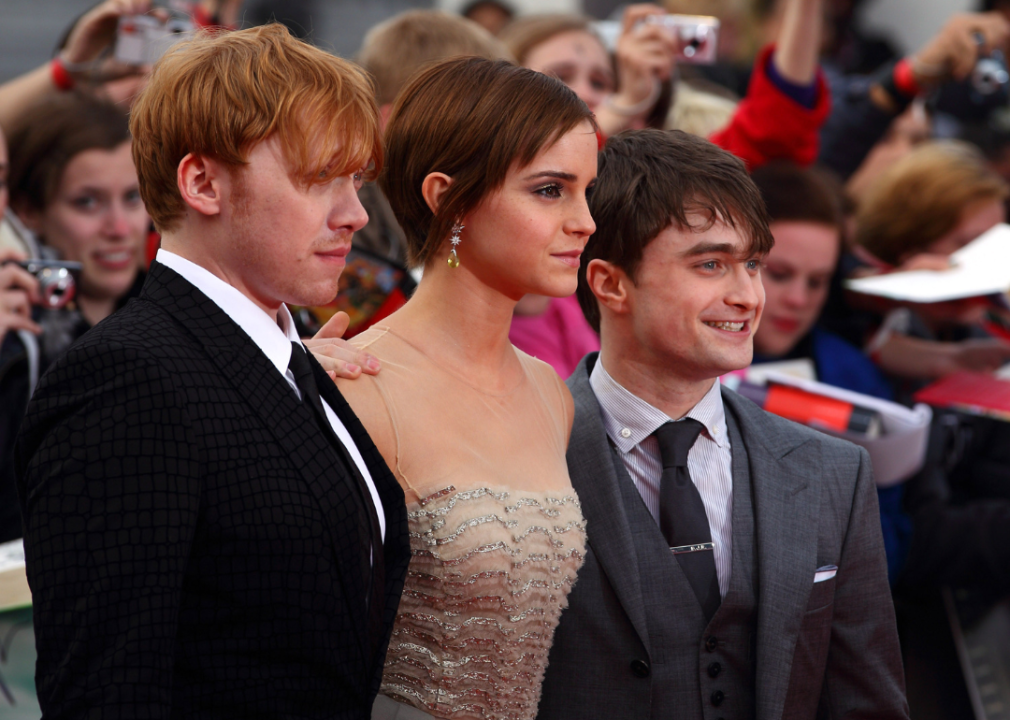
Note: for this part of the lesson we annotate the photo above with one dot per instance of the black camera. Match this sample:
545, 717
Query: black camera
986, 89
57, 280
990, 78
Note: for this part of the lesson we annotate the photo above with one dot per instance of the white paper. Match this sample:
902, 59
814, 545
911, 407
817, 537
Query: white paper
900, 451
982, 267
12, 555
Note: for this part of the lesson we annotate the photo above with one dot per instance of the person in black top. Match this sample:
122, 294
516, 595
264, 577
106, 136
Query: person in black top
209, 531
74, 186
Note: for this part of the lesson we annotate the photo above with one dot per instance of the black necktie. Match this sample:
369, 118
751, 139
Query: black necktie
374, 562
682, 515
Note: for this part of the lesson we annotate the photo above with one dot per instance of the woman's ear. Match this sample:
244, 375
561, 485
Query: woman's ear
433, 189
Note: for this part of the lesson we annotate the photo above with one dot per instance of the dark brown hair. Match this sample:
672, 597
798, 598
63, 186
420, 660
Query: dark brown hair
472, 119
49, 137
650, 179
797, 194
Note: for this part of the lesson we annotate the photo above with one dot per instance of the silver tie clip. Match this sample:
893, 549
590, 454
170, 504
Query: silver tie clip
681, 549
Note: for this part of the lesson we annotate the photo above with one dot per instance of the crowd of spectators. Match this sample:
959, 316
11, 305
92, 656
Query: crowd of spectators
869, 163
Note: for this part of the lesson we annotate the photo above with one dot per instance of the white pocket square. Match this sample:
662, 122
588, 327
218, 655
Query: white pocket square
825, 573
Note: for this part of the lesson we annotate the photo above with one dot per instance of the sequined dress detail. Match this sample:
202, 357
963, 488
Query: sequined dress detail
496, 532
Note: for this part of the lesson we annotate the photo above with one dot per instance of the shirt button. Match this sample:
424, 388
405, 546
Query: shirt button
717, 698
625, 433
714, 669
715, 431
711, 643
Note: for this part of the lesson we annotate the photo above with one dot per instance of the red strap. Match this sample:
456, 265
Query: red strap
904, 79
62, 79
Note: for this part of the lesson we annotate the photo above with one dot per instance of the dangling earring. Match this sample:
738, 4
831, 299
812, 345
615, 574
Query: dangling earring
453, 257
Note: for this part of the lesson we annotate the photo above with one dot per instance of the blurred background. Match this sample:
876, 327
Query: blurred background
29, 27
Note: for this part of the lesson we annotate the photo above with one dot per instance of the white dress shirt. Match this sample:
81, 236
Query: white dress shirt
274, 339
630, 422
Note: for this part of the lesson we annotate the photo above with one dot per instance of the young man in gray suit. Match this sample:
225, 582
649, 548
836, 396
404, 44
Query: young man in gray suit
735, 567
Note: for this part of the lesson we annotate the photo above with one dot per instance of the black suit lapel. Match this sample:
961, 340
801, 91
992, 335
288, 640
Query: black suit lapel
397, 541
242, 362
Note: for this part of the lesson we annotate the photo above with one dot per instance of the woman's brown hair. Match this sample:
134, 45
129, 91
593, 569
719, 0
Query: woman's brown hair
922, 196
472, 119
522, 35
50, 136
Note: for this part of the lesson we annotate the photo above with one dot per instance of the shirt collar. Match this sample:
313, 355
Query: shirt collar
273, 338
628, 419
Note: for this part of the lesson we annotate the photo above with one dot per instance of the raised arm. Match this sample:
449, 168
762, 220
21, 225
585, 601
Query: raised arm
645, 58
90, 35
799, 41
787, 100
864, 107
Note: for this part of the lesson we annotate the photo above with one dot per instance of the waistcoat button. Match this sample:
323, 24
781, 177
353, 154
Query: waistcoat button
640, 668
714, 669
711, 643
717, 698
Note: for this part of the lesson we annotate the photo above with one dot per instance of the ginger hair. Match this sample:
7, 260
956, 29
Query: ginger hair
221, 94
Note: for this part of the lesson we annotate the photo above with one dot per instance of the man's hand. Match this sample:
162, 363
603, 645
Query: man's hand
18, 291
337, 356
953, 52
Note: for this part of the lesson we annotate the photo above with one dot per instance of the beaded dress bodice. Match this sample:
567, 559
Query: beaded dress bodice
496, 534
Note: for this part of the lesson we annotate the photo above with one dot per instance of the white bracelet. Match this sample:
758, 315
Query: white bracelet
638, 108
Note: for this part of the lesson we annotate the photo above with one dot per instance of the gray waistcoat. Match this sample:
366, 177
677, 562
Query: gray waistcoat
707, 673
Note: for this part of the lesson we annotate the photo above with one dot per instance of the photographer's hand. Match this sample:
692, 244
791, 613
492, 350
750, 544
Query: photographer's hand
90, 36
952, 53
645, 56
18, 290
96, 30
337, 356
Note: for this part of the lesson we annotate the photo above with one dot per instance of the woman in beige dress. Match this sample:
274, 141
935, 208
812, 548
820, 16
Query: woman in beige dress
487, 170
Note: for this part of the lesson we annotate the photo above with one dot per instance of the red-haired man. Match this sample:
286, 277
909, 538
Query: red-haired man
209, 531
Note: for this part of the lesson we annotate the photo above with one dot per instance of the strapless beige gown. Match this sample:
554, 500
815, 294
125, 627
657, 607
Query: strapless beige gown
496, 532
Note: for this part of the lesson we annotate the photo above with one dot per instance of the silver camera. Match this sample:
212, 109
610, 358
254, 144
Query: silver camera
142, 39
697, 36
57, 280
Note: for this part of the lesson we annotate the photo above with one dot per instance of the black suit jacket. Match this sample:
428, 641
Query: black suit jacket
192, 538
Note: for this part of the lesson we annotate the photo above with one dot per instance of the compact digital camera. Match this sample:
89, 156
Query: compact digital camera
990, 78
697, 36
57, 280
142, 39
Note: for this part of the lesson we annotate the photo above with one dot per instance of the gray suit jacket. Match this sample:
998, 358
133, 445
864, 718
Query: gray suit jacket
822, 650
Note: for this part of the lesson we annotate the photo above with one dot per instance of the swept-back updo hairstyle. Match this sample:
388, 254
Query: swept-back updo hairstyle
472, 119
